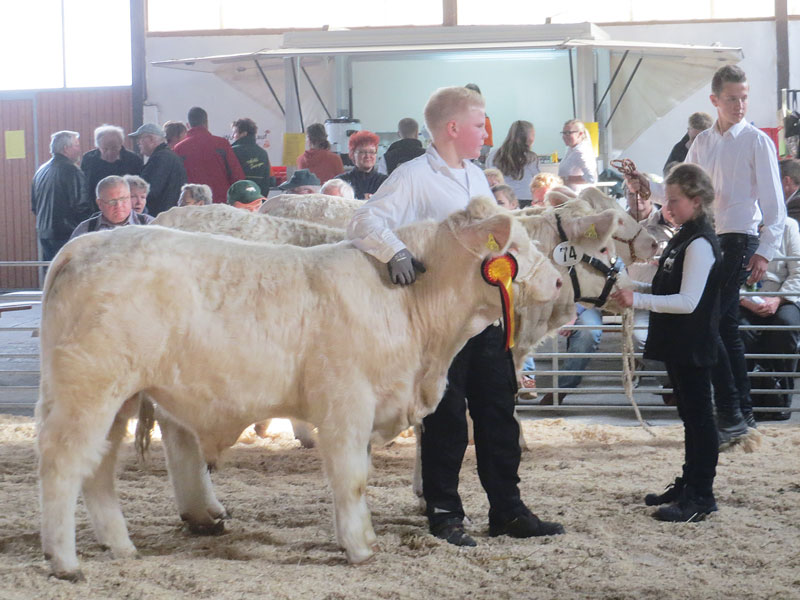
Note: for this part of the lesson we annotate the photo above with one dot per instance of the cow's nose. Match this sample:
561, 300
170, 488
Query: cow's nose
558, 283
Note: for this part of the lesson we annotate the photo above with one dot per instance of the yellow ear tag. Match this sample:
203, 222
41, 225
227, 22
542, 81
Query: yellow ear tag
491, 244
591, 233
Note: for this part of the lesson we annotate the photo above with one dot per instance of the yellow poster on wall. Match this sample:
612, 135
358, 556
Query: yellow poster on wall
15, 143
594, 135
294, 144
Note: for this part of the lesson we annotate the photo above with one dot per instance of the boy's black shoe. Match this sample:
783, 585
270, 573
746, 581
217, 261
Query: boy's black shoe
690, 508
731, 428
670, 494
452, 531
525, 525
750, 419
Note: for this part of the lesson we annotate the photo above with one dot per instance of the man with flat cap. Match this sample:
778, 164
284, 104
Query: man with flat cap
163, 170
245, 194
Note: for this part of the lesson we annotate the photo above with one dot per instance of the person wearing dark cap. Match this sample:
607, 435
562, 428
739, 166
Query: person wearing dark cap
208, 158
163, 171
245, 194
302, 181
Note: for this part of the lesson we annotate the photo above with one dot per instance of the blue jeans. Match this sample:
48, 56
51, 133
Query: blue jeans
583, 341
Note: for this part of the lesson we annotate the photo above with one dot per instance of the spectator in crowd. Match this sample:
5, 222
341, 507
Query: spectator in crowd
406, 148
114, 200
139, 190
494, 177
164, 169
318, 158
698, 122
245, 194
302, 181
489, 141
743, 165
208, 158
58, 194
364, 177
338, 187
780, 276
253, 158
195, 194
110, 157
579, 166
579, 341
432, 186
790, 181
540, 185
505, 196
515, 159
683, 302
174, 131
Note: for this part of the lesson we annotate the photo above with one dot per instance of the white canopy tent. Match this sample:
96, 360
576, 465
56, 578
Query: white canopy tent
624, 86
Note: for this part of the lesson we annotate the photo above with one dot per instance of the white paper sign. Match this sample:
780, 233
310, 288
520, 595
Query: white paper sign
566, 254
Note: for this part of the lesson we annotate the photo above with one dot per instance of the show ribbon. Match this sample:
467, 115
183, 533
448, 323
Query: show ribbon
500, 271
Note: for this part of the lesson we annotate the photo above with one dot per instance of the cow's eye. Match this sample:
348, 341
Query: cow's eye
603, 250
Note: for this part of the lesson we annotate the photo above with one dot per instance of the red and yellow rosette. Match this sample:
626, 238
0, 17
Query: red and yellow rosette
500, 271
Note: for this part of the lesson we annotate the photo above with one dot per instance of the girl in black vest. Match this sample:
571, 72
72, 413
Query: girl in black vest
684, 305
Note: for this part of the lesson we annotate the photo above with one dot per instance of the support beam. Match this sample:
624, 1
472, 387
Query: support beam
450, 13
782, 49
138, 62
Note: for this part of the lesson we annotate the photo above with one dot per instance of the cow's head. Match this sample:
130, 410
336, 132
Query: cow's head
631, 240
490, 231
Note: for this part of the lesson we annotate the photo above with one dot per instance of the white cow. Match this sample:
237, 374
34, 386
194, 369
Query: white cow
245, 225
333, 211
223, 333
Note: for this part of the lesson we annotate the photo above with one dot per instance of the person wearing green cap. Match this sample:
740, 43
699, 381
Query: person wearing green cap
245, 194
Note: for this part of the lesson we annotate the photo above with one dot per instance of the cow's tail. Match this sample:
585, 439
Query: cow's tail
144, 426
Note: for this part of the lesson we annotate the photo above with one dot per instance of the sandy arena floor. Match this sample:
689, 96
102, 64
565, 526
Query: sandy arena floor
280, 542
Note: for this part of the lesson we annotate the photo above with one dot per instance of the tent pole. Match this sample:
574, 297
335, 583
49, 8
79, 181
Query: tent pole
269, 85
297, 93
572, 85
316, 93
610, 83
625, 89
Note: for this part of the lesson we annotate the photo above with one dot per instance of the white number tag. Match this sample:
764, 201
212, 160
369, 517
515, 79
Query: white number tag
566, 254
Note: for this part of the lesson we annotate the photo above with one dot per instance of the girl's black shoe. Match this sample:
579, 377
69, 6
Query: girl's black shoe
671, 494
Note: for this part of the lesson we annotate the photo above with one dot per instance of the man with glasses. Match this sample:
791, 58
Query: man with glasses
364, 177
114, 200
579, 166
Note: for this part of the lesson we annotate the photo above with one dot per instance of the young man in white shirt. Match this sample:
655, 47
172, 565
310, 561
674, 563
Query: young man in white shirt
433, 186
743, 165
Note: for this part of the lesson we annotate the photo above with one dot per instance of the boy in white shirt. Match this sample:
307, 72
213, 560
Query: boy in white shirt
482, 376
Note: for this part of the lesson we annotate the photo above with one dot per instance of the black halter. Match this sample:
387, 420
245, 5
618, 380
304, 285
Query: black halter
611, 273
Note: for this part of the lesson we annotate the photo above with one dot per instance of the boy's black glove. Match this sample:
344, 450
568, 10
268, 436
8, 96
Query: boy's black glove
403, 267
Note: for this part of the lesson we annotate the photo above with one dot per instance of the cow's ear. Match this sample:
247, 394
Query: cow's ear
490, 236
598, 227
482, 207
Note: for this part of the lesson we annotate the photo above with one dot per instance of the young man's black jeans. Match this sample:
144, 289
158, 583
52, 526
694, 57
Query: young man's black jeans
731, 385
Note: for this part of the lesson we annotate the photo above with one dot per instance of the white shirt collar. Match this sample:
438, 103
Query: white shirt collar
734, 130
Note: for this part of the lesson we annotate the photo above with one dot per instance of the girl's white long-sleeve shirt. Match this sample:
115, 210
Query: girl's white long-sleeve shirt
696, 266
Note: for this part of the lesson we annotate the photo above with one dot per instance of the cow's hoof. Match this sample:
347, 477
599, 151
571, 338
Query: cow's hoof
307, 443
376, 547
217, 528
360, 558
225, 515
261, 429
72, 576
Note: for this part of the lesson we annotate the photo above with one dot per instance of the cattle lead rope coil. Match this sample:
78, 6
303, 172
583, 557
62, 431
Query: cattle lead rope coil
628, 366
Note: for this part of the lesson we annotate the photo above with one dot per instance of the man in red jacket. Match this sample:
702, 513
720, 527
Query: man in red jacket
208, 158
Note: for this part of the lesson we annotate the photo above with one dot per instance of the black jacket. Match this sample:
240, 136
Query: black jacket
679, 152
95, 168
686, 338
165, 173
364, 183
58, 198
402, 151
254, 160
